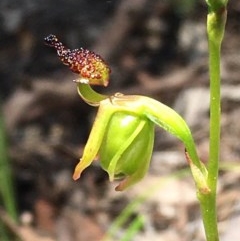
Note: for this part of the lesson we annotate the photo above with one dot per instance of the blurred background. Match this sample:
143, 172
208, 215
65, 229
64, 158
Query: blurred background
156, 48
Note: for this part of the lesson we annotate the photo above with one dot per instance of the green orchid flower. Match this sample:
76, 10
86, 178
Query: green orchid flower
122, 135
122, 140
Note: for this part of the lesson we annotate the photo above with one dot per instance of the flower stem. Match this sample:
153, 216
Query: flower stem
215, 28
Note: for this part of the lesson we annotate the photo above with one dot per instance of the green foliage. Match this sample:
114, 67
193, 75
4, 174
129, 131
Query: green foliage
7, 197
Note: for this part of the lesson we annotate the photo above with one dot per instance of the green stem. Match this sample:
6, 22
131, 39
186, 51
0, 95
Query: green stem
215, 28
215, 112
209, 215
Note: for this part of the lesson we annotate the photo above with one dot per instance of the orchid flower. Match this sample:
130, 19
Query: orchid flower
122, 135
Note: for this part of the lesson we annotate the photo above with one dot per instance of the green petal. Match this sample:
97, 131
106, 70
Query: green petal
94, 141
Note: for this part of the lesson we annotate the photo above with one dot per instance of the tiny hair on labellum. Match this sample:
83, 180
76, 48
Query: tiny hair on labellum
91, 67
